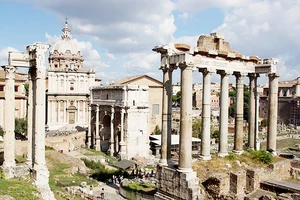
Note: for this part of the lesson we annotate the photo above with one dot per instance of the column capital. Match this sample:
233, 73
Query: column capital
9, 72
186, 66
239, 74
273, 75
206, 71
224, 72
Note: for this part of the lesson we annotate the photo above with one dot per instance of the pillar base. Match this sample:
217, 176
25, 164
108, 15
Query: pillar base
222, 154
184, 170
163, 162
97, 146
238, 152
205, 158
183, 186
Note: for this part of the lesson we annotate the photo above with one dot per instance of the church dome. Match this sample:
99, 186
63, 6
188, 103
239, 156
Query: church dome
65, 44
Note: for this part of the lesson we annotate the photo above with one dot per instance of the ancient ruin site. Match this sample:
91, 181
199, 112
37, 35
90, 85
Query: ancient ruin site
207, 130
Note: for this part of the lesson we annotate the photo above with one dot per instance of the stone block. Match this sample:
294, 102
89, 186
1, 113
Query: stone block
252, 180
237, 182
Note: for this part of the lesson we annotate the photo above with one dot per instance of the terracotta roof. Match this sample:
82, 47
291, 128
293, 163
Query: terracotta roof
131, 79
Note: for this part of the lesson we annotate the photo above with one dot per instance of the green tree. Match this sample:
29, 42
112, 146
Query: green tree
156, 131
21, 126
264, 123
196, 128
26, 87
176, 98
232, 107
216, 135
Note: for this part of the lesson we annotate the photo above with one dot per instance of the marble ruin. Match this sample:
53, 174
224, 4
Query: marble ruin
34, 59
211, 55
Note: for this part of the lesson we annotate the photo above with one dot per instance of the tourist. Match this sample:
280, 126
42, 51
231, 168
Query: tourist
102, 193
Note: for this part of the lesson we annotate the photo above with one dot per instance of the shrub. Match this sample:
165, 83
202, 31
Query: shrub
231, 156
262, 156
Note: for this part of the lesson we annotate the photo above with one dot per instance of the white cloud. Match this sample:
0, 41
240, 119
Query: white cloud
4, 55
111, 56
118, 26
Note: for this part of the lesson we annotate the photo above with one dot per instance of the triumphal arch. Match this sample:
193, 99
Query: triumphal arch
211, 55
34, 60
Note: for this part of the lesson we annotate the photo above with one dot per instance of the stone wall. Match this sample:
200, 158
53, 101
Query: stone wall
295, 169
173, 184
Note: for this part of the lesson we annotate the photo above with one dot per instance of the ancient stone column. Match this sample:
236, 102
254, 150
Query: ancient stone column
272, 114
97, 136
252, 110
89, 136
223, 139
111, 141
30, 118
239, 115
185, 143
166, 117
9, 120
205, 139
122, 143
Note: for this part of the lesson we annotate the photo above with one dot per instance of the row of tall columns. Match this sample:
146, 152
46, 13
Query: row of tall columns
186, 119
9, 128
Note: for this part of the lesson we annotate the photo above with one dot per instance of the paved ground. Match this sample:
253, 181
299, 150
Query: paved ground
110, 192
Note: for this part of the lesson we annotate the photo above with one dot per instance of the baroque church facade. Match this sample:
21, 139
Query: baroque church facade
68, 85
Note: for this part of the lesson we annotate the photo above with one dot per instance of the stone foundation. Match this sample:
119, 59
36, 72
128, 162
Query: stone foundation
175, 185
237, 183
252, 180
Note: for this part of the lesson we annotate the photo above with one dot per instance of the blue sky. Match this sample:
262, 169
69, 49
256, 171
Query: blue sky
116, 36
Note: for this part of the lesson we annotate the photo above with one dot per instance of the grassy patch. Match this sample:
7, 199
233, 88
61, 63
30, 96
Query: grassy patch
282, 144
146, 188
18, 189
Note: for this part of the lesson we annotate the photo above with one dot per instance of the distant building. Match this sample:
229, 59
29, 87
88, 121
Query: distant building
124, 114
288, 102
20, 97
68, 85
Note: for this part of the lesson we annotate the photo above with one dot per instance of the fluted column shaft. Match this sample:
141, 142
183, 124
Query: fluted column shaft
239, 116
205, 139
185, 143
97, 136
112, 148
272, 115
166, 117
223, 139
89, 140
30, 120
122, 143
9, 120
252, 111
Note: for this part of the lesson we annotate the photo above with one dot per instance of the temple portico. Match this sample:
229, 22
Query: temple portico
212, 55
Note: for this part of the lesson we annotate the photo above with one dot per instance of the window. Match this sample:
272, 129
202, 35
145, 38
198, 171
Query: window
155, 109
72, 86
1, 87
16, 88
